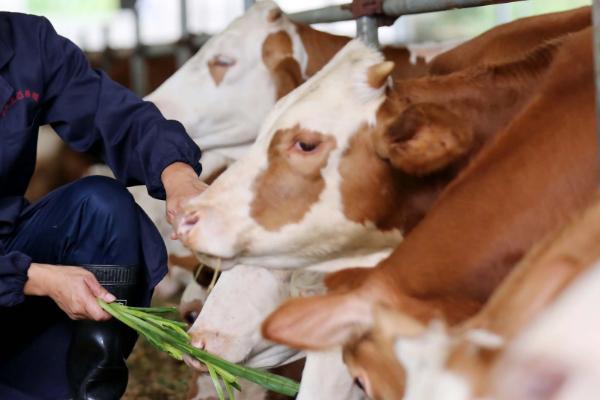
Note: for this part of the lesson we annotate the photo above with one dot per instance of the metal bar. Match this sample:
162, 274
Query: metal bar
596, 18
183, 53
137, 66
396, 8
248, 4
325, 14
366, 30
391, 8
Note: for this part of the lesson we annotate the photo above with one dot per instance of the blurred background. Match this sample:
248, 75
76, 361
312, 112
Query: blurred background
106, 29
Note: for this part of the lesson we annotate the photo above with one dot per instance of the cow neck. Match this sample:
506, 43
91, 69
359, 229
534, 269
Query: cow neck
535, 283
452, 262
320, 46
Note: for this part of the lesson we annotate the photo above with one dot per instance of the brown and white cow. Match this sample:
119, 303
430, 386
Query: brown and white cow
213, 331
525, 184
461, 363
345, 165
223, 93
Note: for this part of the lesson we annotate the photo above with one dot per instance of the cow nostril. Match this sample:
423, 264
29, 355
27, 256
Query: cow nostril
186, 223
191, 220
199, 343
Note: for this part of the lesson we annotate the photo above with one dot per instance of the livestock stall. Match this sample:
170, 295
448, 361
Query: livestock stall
157, 376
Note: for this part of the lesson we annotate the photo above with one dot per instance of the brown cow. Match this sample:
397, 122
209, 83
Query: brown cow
524, 185
462, 361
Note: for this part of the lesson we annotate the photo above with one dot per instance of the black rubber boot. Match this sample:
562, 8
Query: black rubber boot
96, 366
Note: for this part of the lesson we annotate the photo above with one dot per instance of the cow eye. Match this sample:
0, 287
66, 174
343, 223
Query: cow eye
306, 147
190, 317
223, 61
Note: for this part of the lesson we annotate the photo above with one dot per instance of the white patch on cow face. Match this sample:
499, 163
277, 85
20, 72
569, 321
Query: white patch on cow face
424, 360
230, 112
229, 323
336, 101
325, 376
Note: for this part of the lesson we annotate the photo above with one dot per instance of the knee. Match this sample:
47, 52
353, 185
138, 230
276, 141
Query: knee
106, 197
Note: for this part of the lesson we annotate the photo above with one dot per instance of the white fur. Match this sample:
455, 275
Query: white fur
325, 376
229, 113
564, 338
229, 323
336, 101
424, 358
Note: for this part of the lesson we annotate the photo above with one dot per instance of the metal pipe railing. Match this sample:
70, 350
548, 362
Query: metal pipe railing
366, 30
391, 8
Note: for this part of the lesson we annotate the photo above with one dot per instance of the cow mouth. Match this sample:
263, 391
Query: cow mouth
216, 263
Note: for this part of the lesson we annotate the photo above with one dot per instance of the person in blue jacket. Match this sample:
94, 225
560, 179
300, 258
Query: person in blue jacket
61, 253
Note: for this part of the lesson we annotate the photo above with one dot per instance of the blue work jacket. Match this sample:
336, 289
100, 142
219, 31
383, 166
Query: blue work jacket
46, 79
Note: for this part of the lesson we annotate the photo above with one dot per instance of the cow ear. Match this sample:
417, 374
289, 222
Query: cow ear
278, 57
424, 139
319, 322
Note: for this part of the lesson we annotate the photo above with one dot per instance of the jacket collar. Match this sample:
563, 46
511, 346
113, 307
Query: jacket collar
6, 39
6, 53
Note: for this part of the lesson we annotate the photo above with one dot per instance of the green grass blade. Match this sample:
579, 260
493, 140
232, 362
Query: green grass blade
167, 336
216, 383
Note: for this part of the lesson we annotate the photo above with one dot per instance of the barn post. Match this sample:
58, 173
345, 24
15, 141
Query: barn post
182, 51
137, 65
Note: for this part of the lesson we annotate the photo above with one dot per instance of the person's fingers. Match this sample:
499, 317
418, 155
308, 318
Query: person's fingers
97, 290
94, 311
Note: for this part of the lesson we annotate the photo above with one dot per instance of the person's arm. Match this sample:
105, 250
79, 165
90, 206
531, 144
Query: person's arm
94, 114
73, 289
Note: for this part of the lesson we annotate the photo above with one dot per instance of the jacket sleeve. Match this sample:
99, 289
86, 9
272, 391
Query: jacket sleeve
92, 113
13, 275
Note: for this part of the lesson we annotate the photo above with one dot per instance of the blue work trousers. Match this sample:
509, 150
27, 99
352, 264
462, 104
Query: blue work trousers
92, 221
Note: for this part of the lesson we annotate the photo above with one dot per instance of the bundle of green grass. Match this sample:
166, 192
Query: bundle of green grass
170, 336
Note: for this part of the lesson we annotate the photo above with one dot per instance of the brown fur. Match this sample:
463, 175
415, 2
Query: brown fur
189, 262
292, 182
539, 170
548, 153
510, 40
278, 56
534, 284
426, 131
217, 72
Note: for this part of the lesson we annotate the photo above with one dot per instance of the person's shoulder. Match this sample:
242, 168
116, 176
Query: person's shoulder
25, 23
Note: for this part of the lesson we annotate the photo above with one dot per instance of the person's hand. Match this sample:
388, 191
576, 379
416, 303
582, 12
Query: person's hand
181, 184
73, 289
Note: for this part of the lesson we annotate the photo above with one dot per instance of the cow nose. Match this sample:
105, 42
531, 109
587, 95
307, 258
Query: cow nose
198, 341
186, 224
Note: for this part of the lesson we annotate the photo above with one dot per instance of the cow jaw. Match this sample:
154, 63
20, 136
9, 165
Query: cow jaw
281, 205
228, 324
222, 94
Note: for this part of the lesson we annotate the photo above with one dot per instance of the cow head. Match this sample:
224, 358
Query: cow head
229, 321
342, 166
223, 92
